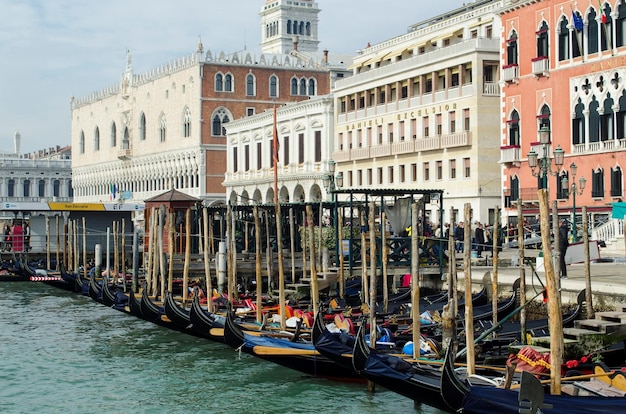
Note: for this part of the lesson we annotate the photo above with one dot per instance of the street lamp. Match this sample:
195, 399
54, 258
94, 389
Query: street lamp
567, 190
332, 182
544, 163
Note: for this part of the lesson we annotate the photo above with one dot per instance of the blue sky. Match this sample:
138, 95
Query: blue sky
52, 50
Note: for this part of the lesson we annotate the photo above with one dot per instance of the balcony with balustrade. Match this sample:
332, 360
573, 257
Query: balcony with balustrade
510, 155
541, 66
600, 146
510, 73
125, 154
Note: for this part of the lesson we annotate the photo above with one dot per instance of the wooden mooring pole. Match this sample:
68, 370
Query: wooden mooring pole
554, 303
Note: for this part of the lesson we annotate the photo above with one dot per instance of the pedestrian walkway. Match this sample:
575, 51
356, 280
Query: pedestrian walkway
607, 277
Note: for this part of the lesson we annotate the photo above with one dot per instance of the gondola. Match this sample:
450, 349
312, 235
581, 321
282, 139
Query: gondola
149, 310
480, 313
420, 382
25, 268
113, 297
11, 266
463, 397
179, 317
70, 278
337, 346
80, 284
534, 327
297, 355
95, 290
203, 321
134, 305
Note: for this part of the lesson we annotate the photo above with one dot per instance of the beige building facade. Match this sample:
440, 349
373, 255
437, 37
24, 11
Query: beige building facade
421, 111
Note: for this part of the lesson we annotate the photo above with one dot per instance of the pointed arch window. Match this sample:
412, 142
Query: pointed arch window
250, 85
563, 36
594, 120
514, 137
96, 139
616, 182
592, 32
228, 83
219, 82
511, 49
219, 120
126, 139
311, 87
544, 118
561, 191
597, 183
187, 123
81, 142
620, 117
273, 86
113, 135
162, 128
620, 25
606, 119
294, 86
577, 35
142, 127
606, 27
514, 188
578, 125
303, 86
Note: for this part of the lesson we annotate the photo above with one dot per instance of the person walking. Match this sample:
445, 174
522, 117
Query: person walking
563, 244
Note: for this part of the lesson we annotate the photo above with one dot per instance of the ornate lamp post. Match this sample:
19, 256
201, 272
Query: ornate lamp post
573, 190
332, 183
544, 163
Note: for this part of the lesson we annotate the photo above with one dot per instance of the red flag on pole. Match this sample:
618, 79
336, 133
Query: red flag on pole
602, 12
276, 144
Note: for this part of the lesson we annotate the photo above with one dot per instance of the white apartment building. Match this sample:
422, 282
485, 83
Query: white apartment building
305, 136
422, 111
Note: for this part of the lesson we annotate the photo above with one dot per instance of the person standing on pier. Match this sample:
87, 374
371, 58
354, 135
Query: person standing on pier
563, 244
479, 237
17, 237
459, 237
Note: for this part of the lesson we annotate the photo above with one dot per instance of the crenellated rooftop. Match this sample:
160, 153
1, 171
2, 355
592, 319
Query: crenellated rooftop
244, 58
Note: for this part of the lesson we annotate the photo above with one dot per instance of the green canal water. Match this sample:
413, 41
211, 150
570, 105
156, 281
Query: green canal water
64, 353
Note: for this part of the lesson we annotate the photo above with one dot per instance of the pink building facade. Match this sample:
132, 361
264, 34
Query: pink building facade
564, 70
